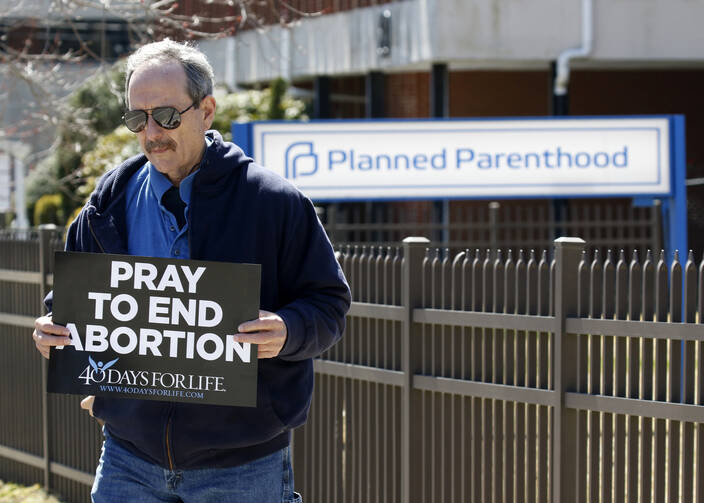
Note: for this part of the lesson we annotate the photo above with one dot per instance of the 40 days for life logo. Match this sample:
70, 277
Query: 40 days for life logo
95, 372
154, 328
100, 373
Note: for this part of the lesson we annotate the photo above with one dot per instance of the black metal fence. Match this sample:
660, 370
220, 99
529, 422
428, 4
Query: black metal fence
508, 224
461, 377
44, 438
482, 377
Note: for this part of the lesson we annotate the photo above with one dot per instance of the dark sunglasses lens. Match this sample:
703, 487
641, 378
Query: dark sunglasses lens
167, 117
135, 120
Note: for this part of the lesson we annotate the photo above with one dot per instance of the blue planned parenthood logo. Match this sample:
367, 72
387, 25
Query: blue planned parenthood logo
301, 160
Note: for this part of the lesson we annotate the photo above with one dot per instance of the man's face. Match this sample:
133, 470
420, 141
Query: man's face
173, 152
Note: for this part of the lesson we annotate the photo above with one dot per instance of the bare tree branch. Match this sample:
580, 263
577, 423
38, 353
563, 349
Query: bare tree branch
36, 48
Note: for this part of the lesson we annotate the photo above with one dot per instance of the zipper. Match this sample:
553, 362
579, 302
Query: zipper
189, 214
188, 231
169, 454
90, 228
168, 444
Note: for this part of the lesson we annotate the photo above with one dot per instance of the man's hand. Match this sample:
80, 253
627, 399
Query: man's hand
46, 334
87, 404
268, 332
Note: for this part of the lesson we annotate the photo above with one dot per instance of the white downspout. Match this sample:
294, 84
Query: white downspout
562, 77
20, 205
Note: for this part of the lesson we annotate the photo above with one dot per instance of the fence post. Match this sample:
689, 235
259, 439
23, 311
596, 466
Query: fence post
332, 222
494, 208
46, 232
412, 295
568, 253
657, 242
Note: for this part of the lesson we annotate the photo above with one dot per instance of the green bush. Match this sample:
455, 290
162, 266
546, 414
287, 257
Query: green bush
98, 106
271, 103
14, 493
110, 150
49, 210
95, 109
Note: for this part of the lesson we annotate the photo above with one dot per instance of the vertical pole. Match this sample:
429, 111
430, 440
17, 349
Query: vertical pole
412, 291
559, 103
439, 96
494, 208
45, 255
568, 253
374, 89
677, 207
559, 107
321, 98
440, 109
656, 226
20, 204
375, 108
678, 202
445, 209
332, 222
322, 109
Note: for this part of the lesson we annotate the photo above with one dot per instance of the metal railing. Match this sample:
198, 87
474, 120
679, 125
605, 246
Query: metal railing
507, 224
461, 377
481, 378
44, 437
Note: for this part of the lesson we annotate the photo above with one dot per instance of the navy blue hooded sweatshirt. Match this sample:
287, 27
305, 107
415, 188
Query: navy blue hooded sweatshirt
239, 212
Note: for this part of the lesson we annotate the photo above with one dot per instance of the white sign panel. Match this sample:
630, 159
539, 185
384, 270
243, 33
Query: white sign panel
4, 183
468, 159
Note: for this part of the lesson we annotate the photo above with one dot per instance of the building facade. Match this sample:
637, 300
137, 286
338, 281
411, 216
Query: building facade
485, 58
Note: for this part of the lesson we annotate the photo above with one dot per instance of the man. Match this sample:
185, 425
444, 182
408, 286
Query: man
193, 195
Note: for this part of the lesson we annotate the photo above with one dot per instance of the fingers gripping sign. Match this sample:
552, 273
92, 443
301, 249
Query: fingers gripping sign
268, 332
87, 405
46, 334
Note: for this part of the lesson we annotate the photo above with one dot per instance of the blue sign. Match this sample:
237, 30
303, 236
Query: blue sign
565, 157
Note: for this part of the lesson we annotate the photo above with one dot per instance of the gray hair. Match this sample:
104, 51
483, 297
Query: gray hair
199, 73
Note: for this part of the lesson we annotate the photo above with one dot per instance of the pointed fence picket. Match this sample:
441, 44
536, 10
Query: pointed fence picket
491, 376
563, 375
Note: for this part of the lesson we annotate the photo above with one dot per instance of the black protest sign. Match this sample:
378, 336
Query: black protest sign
154, 328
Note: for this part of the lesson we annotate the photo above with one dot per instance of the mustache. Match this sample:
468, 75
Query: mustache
159, 144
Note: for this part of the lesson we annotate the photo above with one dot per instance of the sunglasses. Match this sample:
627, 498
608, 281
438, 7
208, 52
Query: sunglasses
166, 117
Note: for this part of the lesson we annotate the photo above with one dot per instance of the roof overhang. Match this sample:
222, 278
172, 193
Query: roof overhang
473, 35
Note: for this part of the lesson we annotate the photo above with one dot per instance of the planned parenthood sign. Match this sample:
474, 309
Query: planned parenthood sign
349, 160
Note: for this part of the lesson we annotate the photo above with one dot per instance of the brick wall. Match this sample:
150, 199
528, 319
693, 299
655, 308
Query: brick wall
407, 95
527, 93
646, 92
498, 93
